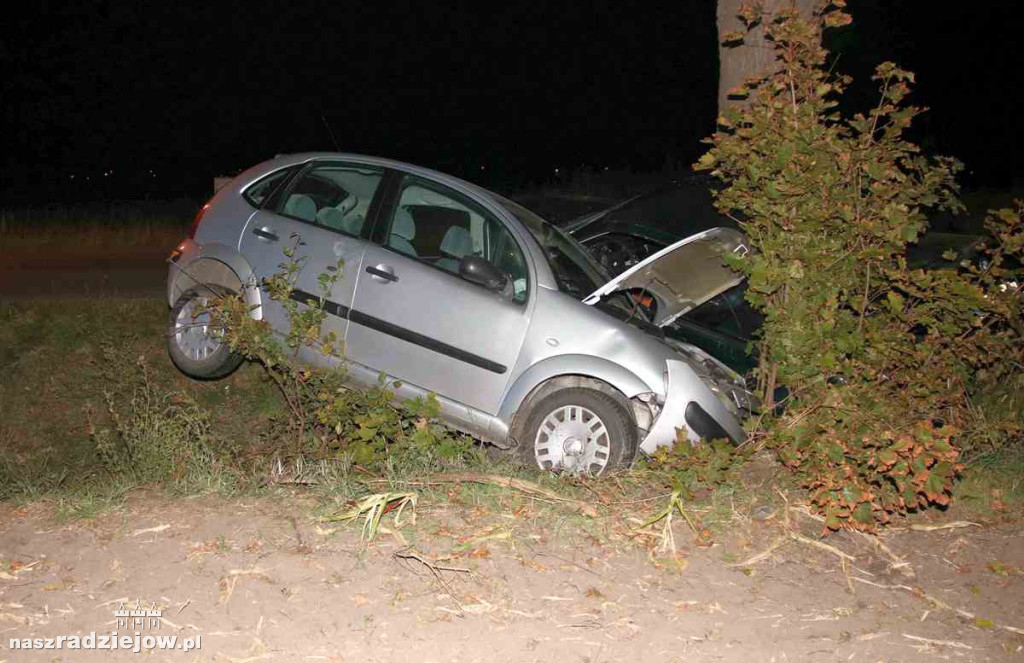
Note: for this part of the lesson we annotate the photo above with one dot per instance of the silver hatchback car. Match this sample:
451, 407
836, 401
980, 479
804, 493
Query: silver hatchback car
454, 290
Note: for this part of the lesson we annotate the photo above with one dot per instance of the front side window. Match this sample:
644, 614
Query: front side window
440, 227
575, 271
334, 196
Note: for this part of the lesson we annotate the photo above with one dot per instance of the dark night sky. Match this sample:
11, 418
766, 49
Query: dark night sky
189, 92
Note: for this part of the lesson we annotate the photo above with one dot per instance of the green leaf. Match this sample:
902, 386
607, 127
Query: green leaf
732, 37
835, 453
863, 513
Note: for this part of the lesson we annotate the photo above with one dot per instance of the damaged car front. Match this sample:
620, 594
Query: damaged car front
694, 393
664, 287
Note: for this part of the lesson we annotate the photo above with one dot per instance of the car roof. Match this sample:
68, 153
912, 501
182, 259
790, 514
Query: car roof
302, 157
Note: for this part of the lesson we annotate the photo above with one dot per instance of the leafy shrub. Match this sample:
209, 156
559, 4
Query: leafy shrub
692, 466
881, 360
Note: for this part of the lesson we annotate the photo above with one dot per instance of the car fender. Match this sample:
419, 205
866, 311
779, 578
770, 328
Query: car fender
622, 379
218, 264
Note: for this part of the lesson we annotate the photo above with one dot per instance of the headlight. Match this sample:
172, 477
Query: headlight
726, 384
705, 365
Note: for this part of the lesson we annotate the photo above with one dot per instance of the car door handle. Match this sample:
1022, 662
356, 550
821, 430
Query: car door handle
265, 233
382, 272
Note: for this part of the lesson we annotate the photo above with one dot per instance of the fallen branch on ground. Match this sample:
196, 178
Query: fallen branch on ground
799, 538
939, 603
822, 546
409, 553
895, 561
943, 643
956, 524
522, 485
764, 554
436, 572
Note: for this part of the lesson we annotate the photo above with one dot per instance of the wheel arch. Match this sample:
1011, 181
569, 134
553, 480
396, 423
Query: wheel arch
566, 371
221, 265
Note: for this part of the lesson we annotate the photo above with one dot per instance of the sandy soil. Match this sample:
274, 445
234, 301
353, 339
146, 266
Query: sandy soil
260, 579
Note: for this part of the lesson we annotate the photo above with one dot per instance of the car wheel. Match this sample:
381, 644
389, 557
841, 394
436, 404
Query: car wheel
578, 431
195, 347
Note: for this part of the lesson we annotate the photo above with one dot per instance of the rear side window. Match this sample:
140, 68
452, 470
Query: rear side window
258, 193
336, 196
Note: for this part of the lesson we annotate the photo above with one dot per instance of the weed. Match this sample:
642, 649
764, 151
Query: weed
89, 501
160, 437
686, 466
28, 478
373, 507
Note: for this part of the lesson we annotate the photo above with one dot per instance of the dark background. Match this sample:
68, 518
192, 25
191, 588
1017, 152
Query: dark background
108, 100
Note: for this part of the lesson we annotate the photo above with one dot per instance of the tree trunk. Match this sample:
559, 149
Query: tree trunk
752, 58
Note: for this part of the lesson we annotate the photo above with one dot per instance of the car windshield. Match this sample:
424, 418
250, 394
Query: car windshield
575, 271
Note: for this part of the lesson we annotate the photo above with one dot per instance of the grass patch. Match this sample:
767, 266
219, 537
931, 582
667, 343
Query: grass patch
67, 365
993, 485
88, 502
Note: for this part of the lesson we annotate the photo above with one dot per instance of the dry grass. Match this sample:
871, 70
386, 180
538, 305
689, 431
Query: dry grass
122, 223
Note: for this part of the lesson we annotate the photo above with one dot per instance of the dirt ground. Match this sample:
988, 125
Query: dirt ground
261, 579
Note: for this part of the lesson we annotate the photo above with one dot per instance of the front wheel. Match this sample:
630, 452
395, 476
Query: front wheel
196, 348
578, 431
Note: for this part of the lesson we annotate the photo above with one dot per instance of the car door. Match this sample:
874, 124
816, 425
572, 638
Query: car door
417, 320
324, 214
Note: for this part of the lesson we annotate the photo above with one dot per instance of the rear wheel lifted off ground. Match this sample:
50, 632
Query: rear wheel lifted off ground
578, 431
196, 348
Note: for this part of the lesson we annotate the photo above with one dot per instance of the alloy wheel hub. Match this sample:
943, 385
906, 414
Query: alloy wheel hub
572, 439
193, 333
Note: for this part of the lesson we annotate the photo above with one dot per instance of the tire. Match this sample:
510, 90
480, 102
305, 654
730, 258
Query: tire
578, 431
194, 349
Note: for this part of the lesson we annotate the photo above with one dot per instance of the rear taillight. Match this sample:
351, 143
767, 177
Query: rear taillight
197, 220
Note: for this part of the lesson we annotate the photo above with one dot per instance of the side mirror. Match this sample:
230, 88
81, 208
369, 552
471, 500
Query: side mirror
478, 270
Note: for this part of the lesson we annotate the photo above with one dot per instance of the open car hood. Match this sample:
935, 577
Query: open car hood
684, 275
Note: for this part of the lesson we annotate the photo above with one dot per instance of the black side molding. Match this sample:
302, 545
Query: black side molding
407, 335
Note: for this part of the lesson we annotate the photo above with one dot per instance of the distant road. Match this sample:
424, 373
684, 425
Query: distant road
75, 273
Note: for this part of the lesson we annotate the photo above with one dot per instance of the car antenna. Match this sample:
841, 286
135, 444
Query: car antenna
330, 132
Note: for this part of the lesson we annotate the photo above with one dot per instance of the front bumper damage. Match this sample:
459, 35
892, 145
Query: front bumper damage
692, 406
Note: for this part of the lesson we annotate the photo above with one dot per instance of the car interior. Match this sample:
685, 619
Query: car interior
440, 230
335, 197
427, 225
